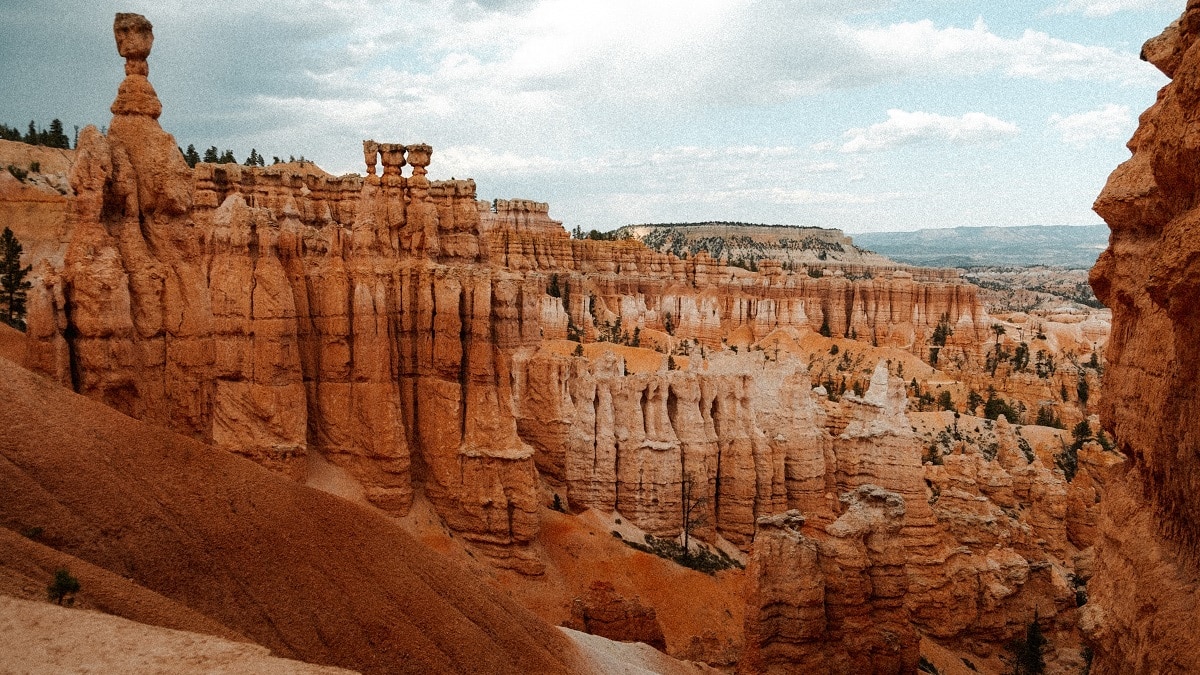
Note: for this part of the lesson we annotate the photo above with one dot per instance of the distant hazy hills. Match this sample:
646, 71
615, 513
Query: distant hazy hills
1056, 245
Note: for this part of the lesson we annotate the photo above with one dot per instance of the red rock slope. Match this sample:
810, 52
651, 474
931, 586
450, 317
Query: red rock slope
1142, 615
306, 574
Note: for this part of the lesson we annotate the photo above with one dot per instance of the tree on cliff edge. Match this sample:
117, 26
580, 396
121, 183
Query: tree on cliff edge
13, 287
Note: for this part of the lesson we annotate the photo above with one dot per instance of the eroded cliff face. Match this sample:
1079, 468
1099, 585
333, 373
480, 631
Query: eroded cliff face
279, 312
1147, 582
833, 602
408, 333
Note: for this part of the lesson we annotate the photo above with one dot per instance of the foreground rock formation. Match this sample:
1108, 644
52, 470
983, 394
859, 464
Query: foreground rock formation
1145, 590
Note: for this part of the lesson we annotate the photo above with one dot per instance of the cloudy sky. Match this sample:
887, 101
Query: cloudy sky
886, 116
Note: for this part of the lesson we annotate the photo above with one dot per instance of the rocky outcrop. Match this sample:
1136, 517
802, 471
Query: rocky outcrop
277, 312
634, 443
519, 215
1142, 614
833, 601
605, 613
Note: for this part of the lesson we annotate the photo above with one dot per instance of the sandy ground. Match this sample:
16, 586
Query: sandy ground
39, 637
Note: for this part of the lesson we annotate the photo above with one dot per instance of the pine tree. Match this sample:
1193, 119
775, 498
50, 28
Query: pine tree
1029, 654
57, 138
31, 136
191, 156
210, 155
227, 158
13, 287
254, 159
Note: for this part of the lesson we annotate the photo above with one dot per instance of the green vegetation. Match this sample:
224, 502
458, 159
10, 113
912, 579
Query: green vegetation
64, 587
703, 560
50, 138
942, 331
1046, 417
995, 406
945, 402
13, 286
1028, 654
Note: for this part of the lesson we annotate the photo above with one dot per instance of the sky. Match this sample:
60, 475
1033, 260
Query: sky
872, 115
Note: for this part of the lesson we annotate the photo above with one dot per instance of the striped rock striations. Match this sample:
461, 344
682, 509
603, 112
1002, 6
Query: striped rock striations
834, 601
376, 321
1142, 616
405, 331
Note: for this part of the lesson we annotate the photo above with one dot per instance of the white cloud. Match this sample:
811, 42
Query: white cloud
1110, 122
908, 128
1110, 7
921, 47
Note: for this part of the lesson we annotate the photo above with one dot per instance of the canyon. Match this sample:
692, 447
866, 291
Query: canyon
530, 407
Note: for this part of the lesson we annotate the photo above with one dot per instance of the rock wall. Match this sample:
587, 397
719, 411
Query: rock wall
1145, 589
991, 537
833, 601
281, 311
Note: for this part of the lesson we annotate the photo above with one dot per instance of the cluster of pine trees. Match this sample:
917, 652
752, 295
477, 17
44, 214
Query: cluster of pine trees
214, 156
54, 137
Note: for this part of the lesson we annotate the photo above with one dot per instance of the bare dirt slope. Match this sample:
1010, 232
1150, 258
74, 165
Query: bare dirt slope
306, 574
12, 344
36, 637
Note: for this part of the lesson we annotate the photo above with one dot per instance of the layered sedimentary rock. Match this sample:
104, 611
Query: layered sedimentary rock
601, 611
1142, 616
280, 311
832, 601
986, 532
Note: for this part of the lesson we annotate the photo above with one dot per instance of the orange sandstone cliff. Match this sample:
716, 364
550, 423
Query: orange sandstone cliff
1147, 583
411, 335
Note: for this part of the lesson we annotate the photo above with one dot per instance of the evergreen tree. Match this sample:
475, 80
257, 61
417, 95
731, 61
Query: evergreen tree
227, 158
1029, 654
31, 136
191, 156
210, 155
13, 287
254, 159
57, 138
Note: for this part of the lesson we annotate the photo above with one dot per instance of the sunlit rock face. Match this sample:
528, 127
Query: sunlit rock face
1142, 616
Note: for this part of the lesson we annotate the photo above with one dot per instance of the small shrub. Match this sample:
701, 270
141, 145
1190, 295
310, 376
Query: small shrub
18, 173
64, 587
557, 505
